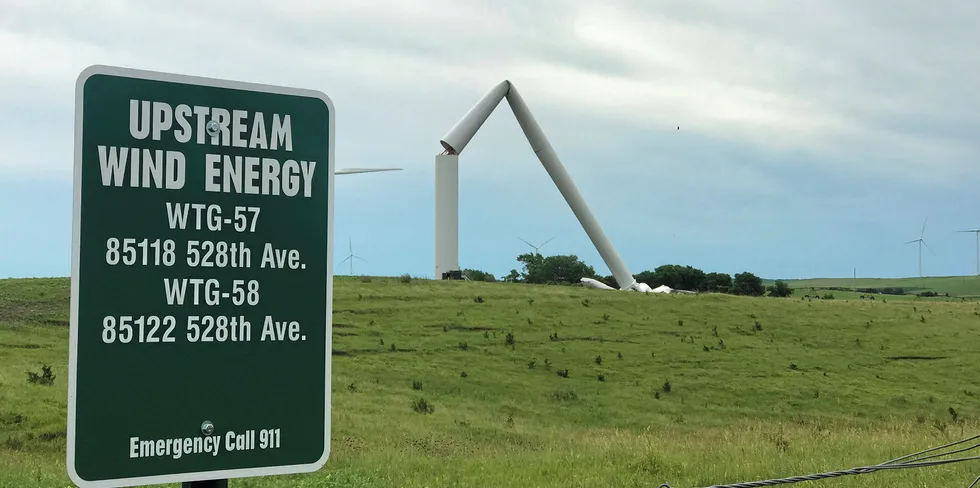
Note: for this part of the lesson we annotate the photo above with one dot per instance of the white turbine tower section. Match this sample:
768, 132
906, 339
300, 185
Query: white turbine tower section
447, 214
977, 232
922, 243
447, 184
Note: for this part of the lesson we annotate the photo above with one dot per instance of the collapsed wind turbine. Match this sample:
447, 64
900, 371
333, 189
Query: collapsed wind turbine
447, 186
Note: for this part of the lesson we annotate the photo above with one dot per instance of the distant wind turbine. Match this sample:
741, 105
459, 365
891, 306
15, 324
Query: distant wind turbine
351, 257
922, 243
977, 232
538, 246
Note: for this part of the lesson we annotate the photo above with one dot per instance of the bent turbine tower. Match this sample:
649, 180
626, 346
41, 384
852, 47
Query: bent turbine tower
447, 185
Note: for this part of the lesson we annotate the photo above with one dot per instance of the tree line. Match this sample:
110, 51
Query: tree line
568, 269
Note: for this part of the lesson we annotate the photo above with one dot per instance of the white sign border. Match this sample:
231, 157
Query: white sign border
83, 77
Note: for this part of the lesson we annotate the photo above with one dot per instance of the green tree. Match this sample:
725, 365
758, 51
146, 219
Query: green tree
780, 289
477, 275
747, 284
718, 282
538, 269
531, 268
675, 276
512, 277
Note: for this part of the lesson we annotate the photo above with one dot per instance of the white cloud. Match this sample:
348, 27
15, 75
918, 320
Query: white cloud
866, 87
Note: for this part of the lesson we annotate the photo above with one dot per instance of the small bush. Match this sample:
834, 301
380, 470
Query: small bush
422, 406
598, 359
530, 365
478, 299
666, 387
601, 377
45, 378
509, 339
464, 346
562, 372
619, 355
405, 278
564, 394
351, 388
463, 374
417, 385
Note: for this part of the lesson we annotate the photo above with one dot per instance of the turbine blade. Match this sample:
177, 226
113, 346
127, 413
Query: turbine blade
923, 227
545, 242
910, 242
929, 248
351, 171
525, 242
345, 260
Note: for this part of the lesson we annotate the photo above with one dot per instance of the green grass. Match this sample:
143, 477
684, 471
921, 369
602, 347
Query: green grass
759, 387
956, 286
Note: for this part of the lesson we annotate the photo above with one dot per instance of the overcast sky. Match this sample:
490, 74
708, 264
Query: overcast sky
815, 136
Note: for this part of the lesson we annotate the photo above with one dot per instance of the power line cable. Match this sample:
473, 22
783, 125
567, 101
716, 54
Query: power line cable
904, 462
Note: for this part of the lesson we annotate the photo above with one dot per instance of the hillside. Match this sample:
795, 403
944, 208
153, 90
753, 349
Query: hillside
691, 390
956, 286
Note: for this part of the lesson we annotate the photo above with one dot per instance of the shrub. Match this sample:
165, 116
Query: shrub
45, 378
422, 406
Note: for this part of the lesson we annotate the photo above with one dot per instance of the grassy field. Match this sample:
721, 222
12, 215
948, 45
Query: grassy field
690, 390
956, 286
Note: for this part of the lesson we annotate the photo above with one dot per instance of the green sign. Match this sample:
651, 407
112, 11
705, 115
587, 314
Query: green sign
201, 279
